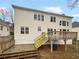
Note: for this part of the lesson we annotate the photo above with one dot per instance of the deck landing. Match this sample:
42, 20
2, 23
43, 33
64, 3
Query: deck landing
20, 48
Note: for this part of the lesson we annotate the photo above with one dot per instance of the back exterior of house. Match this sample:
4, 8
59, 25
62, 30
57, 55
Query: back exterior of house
30, 23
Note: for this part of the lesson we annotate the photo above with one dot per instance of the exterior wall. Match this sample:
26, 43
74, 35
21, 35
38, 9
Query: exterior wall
4, 32
26, 18
76, 29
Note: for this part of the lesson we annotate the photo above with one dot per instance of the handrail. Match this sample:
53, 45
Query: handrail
40, 40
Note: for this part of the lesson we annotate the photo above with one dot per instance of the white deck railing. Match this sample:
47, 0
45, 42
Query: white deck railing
62, 35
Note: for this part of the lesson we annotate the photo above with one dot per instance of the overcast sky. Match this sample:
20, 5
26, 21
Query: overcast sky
56, 6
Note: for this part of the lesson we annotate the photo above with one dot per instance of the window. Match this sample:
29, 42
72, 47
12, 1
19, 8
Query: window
67, 23
35, 16
38, 17
54, 19
50, 31
54, 31
42, 16
26, 30
22, 30
60, 22
60, 30
39, 28
64, 23
64, 30
51, 20
68, 30
1, 27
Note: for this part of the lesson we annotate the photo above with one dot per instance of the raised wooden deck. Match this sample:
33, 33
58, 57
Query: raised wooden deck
24, 51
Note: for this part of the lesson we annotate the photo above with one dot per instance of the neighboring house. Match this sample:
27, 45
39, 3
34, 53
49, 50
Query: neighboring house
30, 23
75, 28
4, 28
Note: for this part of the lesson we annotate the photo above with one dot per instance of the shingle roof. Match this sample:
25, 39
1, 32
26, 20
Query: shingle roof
75, 24
20, 7
3, 23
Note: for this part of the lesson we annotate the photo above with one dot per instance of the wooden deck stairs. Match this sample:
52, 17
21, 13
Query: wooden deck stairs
33, 54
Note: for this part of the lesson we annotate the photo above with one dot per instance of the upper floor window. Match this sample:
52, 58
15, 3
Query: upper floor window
39, 17
67, 23
35, 16
64, 23
53, 19
60, 22
42, 17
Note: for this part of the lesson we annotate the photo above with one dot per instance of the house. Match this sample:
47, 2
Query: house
75, 28
4, 28
30, 23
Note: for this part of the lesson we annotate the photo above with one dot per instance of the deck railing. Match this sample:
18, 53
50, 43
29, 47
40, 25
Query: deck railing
62, 35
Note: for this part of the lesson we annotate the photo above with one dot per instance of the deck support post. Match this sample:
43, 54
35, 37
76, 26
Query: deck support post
51, 46
76, 44
65, 45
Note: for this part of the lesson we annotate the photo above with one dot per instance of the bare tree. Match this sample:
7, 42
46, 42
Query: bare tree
11, 15
3, 11
72, 3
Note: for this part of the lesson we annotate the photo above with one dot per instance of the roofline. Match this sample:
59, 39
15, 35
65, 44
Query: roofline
30, 9
75, 26
3, 23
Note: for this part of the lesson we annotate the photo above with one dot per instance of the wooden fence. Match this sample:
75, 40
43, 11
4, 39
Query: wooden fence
6, 42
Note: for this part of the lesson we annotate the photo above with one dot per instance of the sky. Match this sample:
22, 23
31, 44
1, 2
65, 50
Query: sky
55, 6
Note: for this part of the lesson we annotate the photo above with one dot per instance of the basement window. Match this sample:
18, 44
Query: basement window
64, 23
